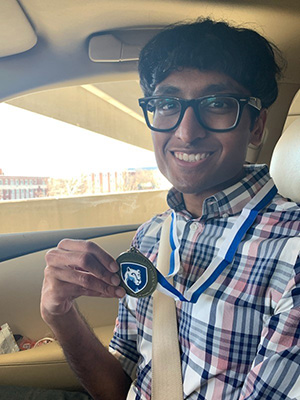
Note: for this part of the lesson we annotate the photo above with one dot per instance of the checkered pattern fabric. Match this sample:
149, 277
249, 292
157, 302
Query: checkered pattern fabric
241, 340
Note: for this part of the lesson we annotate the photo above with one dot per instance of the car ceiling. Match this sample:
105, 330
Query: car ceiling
55, 36
63, 27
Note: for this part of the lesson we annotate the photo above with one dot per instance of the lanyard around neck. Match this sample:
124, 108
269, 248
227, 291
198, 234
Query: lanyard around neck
225, 254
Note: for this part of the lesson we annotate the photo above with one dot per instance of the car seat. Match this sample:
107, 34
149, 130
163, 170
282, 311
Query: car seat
285, 162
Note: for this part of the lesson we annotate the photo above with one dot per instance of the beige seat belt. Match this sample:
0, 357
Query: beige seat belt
166, 363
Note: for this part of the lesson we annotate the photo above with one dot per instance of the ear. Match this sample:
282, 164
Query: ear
259, 127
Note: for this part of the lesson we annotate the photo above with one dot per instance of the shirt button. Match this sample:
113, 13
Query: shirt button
194, 226
225, 215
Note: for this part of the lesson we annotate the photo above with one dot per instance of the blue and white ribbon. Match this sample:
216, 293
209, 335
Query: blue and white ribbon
225, 254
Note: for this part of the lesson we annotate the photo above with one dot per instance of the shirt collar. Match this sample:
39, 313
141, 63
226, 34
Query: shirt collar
229, 201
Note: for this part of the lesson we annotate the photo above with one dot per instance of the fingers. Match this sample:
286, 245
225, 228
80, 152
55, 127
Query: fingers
77, 268
89, 247
81, 282
62, 286
85, 256
82, 265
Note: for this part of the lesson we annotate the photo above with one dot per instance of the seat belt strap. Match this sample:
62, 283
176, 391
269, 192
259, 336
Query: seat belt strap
166, 361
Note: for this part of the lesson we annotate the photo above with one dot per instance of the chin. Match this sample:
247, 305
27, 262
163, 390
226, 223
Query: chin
187, 189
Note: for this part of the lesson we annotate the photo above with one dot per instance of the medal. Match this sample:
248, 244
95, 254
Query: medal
140, 278
137, 273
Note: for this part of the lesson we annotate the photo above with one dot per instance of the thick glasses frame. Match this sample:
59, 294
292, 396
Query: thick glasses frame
241, 101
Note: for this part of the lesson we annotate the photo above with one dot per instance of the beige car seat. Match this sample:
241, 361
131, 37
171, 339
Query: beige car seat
285, 163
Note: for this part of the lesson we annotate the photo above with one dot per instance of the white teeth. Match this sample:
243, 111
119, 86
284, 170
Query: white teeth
191, 157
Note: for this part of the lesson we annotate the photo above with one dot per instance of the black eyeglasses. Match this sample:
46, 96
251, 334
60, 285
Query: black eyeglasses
217, 113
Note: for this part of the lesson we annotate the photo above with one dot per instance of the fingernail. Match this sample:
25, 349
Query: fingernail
114, 267
115, 280
120, 292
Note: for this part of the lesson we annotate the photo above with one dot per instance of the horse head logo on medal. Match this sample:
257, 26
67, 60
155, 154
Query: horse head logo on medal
135, 276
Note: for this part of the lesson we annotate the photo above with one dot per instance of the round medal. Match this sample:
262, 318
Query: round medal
137, 273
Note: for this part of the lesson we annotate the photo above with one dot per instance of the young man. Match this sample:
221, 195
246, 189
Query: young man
207, 88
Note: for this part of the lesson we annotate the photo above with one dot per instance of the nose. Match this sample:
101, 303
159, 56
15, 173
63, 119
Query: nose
189, 129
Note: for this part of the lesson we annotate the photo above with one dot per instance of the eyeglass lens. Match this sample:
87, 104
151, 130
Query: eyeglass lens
216, 112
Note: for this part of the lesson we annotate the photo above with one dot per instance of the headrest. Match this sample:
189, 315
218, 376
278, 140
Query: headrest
285, 163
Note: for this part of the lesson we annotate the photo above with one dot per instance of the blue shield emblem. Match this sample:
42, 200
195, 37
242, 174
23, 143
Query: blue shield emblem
135, 276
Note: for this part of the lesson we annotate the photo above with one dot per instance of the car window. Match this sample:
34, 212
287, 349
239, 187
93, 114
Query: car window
52, 165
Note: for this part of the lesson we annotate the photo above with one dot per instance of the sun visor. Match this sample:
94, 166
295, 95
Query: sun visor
16, 32
120, 45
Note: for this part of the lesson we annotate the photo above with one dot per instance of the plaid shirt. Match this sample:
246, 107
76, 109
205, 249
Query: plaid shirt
241, 340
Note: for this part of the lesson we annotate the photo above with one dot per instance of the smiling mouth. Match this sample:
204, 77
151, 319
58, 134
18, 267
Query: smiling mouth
194, 157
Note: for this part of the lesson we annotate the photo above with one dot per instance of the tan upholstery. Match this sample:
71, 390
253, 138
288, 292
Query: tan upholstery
43, 366
21, 281
285, 163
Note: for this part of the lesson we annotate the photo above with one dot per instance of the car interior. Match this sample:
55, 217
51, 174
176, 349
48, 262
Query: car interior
76, 61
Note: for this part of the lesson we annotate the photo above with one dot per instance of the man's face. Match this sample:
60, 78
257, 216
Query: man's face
193, 159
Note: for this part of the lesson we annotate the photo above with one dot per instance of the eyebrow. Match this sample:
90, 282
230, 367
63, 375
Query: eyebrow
220, 88
215, 88
167, 90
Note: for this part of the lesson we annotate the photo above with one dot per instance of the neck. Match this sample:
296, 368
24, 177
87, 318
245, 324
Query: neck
194, 201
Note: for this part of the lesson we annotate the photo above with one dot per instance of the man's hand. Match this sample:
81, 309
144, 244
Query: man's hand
77, 268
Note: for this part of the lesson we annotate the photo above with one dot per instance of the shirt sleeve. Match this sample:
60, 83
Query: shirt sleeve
123, 344
275, 371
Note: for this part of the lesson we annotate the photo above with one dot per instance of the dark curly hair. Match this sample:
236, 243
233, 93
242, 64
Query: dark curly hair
207, 45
